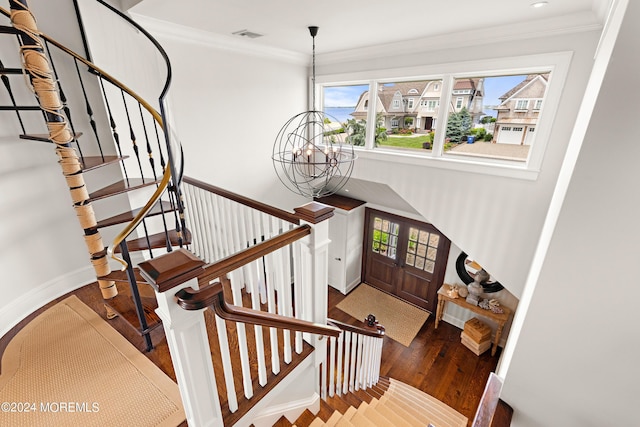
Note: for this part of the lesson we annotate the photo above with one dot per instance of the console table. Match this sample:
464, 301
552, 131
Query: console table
499, 318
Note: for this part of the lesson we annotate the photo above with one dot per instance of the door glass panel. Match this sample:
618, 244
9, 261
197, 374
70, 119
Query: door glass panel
422, 249
385, 237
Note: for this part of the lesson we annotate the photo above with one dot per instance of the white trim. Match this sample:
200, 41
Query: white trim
186, 34
27, 303
290, 410
263, 413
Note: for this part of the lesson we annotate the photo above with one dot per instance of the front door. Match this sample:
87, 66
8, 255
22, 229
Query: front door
404, 257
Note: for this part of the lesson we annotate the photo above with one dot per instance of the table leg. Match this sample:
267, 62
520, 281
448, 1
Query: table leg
496, 340
439, 311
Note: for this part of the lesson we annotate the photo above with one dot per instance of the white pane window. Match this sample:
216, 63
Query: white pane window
396, 103
538, 104
410, 103
459, 102
522, 104
346, 107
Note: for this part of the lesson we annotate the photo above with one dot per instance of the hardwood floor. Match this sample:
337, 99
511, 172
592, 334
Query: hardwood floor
435, 362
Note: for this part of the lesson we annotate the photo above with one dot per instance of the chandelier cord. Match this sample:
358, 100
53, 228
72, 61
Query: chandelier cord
313, 31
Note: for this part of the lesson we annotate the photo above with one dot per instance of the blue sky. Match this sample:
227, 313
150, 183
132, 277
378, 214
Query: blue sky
343, 96
347, 96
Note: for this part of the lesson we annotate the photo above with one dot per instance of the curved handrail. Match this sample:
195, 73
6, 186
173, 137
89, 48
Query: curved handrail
213, 295
166, 178
376, 331
263, 207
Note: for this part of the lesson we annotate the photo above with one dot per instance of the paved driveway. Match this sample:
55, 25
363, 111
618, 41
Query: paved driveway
487, 149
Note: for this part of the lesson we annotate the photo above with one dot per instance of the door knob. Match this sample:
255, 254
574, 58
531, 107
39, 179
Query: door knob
338, 259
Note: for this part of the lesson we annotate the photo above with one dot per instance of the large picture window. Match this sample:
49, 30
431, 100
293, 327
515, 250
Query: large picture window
482, 119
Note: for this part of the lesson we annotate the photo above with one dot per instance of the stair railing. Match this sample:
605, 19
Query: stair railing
353, 358
150, 153
277, 283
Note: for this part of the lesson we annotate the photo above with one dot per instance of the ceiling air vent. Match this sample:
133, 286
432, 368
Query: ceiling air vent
248, 34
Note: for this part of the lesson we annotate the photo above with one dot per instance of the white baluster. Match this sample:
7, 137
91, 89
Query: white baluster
339, 364
237, 282
217, 228
284, 296
227, 370
323, 380
332, 366
252, 277
359, 363
211, 221
354, 352
297, 280
271, 304
347, 364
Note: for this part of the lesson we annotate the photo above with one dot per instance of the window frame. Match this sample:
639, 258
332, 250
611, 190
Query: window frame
555, 63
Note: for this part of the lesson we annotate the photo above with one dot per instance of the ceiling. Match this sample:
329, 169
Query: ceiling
351, 24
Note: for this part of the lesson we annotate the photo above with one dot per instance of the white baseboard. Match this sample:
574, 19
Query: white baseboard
24, 305
352, 285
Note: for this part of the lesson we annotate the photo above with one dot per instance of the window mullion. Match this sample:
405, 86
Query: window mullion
443, 113
370, 133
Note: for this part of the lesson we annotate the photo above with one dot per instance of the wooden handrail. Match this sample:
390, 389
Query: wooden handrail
263, 207
230, 263
376, 331
213, 295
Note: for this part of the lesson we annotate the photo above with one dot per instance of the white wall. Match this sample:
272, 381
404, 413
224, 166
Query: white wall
43, 254
496, 220
575, 363
229, 103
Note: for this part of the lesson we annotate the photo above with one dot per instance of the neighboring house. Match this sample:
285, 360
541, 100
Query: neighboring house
415, 105
519, 110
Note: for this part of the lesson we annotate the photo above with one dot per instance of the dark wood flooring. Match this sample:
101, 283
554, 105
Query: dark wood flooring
435, 362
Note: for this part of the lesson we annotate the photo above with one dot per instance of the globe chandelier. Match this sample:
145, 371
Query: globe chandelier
310, 156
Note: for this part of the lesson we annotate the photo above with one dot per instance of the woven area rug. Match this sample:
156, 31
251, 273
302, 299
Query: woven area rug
401, 320
68, 367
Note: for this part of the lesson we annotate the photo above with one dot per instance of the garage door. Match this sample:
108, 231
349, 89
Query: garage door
510, 135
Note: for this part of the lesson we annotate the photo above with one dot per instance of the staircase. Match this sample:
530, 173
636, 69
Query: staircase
389, 403
257, 270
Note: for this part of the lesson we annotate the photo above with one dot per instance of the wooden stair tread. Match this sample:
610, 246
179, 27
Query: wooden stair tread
123, 305
43, 137
94, 162
120, 276
156, 241
128, 216
121, 187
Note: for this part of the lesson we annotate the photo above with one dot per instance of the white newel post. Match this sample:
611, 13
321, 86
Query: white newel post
186, 335
316, 245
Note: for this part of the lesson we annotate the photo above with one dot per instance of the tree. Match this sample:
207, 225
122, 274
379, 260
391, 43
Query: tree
357, 130
458, 125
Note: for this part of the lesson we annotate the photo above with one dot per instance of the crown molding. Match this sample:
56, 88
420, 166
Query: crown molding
561, 25
170, 30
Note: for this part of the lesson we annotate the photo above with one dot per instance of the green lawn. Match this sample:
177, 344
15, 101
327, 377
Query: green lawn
405, 141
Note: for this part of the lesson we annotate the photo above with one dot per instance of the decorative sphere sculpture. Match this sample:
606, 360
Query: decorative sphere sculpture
310, 157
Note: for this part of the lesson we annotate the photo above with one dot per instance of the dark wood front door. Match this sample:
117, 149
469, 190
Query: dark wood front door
404, 257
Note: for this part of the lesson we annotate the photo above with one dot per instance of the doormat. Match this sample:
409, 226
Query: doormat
69, 367
401, 320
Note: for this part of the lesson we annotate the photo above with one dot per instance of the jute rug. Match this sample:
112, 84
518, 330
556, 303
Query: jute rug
401, 320
68, 367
